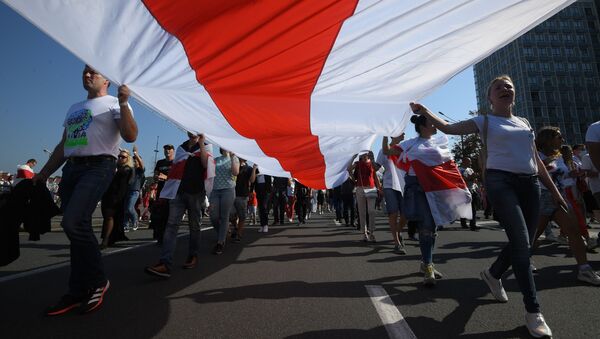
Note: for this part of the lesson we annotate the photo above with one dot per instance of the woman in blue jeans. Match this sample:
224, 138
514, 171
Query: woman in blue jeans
223, 195
511, 180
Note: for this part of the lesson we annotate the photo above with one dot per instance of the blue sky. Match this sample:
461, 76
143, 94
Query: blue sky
40, 80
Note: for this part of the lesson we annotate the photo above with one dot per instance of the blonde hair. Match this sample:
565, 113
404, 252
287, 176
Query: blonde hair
129, 157
498, 78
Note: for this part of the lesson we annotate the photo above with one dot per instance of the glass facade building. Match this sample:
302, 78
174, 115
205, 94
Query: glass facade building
556, 70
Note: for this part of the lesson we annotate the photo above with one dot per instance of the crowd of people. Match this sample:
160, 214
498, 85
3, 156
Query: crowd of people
416, 180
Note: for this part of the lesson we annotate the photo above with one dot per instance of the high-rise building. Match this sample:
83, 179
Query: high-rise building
556, 71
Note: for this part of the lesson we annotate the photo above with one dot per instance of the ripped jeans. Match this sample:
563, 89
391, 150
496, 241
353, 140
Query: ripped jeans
416, 208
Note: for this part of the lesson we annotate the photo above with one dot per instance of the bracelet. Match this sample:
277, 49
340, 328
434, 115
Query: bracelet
126, 103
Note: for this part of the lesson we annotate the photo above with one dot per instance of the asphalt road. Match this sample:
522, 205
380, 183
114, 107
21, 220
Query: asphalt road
297, 282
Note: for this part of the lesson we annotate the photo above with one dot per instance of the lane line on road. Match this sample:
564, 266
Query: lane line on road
67, 263
395, 324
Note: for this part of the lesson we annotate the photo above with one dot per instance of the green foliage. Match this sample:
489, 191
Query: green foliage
468, 146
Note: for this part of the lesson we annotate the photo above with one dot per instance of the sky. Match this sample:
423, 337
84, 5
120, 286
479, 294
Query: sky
40, 80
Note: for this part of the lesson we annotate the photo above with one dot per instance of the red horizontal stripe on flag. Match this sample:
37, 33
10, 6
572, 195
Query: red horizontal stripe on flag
438, 178
260, 61
176, 170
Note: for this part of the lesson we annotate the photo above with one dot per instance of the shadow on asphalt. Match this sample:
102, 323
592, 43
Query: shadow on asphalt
139, 306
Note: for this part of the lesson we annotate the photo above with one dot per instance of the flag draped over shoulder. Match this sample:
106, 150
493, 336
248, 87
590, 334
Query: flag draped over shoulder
171, 187
296, 87
446, 192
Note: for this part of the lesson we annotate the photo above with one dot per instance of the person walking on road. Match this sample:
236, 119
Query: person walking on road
185, 191
113, 202
223, 195
393, 186
130, 220
160, 209
90, 144
511, 179
367, 189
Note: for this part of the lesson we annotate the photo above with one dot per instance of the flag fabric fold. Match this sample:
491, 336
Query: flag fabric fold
296, 87
171, 187
447, 194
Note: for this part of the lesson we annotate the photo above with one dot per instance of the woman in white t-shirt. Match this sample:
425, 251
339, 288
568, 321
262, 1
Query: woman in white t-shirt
513, 188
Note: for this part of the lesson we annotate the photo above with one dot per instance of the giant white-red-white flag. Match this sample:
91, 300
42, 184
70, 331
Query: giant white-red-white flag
297, 87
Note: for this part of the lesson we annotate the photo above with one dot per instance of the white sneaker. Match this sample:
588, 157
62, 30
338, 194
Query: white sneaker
266, 229
552, 237
592, 243
260, 229
589, 276
429, 275
536, 325
495, 286
436, 273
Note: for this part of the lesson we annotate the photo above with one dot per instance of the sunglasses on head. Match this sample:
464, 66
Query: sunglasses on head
123, 157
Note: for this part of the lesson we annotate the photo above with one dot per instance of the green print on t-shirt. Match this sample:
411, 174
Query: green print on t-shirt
77, 125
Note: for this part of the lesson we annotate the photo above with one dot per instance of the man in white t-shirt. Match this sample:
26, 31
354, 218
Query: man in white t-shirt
90, 144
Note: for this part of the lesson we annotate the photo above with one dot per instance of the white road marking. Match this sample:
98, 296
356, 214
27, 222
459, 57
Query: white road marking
395, 324
67, 263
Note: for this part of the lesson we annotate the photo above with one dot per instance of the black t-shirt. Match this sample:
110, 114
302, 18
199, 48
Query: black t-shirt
280, 184
138, 180
192, 181
242, 183
347, 187
162, 166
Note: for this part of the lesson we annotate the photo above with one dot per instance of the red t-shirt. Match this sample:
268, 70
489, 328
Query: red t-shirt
252, 201
364, 173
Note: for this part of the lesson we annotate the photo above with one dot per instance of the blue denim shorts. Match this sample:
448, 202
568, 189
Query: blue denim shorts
547, 205
415, 206
393, 200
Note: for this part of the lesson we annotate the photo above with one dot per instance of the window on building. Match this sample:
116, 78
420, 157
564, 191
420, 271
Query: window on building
530, 66
584, 52
555, 51
569, 51
580, 38
545, 67
548, 82
559, 67
528, 51
535, 96
586, 67
572, 67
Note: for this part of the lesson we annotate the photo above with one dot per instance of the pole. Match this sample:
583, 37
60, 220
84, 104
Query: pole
156, 151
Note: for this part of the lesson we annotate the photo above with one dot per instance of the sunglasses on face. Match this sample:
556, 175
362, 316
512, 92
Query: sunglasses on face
123, 157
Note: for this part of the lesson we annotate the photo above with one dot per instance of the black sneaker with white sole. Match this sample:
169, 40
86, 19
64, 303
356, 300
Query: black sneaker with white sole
94, 299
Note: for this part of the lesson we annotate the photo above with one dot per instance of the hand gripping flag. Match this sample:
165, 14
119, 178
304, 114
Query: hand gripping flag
446, 192
171, 187
296, 87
